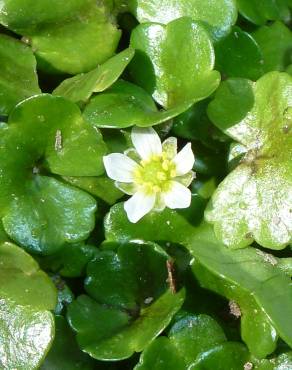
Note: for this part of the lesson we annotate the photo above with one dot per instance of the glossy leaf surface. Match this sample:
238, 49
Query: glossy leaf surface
155, 66
129, 301
254, 200
217, 15
244, 267
26, 295
125, 105
18, 73
79, 88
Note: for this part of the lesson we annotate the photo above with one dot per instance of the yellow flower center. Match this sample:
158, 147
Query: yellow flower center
155, 174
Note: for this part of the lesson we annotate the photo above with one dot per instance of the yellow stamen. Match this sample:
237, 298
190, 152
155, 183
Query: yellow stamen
161, 176
165, 165
172, 173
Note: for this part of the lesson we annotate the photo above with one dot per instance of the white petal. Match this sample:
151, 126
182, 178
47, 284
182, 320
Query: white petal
184, 160
146, 141
178, 197
119, 167
138, 206
169, 146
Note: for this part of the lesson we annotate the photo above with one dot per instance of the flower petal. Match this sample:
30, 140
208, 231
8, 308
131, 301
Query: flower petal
146, 141
159, 203
127, 188
178, 197
119, 167
169, 146
138, 206
184, 160
186, 179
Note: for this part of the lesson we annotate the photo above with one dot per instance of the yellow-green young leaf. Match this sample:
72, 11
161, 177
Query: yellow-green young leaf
79, 88
217, 15
254, 201
26, 296
174, 62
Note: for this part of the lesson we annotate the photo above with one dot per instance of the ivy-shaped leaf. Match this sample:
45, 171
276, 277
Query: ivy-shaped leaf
53, 129
194, 342
37, 211
125, 105
217, 15
46, 214
26, 296
129, 302
254, 201
69, 39
275, 42
79, 88
247, 268
18, 73
174, 62
256, 329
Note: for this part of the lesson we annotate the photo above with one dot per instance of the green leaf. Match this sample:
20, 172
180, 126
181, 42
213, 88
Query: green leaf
39, 212
130, 305
217, 15
3, 235
125, 105
26, 295
283, 361
187, 339
70, 146
23, 282
79, 88
275, 43
229, 355
160, 355
194, 124
259, 12
101, 187
18, 73
239, 55
65, 343
254, 200
73, 38
256, 329
253, 272
238, 97
71, 260
247, 268
193, 335
24, 15
46, 214
174, 62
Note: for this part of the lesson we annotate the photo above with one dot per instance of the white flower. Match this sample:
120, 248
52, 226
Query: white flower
153, 173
